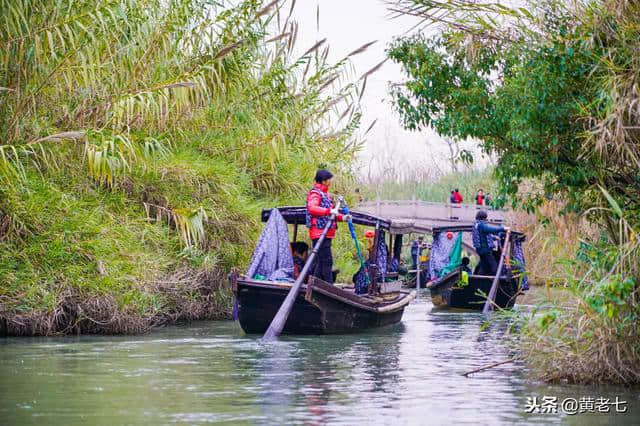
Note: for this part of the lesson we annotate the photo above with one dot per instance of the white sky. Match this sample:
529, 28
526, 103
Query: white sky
347, 25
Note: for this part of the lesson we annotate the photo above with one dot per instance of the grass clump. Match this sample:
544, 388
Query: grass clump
140, 139
591, 333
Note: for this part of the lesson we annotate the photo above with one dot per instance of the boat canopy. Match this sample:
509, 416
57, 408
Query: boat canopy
295, 215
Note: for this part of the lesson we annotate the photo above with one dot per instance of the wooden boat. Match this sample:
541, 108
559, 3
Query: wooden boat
449, 291
446, 292
323, 308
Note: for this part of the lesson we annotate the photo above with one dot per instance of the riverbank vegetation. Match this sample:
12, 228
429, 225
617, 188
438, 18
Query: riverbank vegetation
550, 89
139, 141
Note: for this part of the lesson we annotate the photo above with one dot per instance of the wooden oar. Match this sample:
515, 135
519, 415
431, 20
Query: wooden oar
277, 324
488, 304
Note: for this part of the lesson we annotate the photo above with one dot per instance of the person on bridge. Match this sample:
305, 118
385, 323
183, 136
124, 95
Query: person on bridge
480, 197
320, 207
482, 241
487, 201
457, 197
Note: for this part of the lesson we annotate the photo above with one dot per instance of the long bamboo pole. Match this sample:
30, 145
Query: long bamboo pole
488, 304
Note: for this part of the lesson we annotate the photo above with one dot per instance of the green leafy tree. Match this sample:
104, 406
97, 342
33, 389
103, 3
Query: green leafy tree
539, 87
552, 90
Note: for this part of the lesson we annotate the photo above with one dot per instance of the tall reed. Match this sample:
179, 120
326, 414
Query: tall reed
139, 140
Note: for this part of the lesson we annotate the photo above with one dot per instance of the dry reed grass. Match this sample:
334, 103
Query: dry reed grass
187, 295
552, 237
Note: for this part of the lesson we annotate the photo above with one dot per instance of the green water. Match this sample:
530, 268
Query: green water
211, 372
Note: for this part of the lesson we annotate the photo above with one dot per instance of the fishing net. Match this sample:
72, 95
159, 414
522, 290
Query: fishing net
360, 278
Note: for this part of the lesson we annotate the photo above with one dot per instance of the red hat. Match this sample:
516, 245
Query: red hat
369, 233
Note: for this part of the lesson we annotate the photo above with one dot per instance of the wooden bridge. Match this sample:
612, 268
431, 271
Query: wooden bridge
430, 215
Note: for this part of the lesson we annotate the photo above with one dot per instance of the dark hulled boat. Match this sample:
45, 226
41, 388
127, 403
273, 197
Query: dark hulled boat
452, 291
320, 307
447, 292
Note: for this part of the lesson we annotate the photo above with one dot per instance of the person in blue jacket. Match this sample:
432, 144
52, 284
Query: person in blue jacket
416, 250
482, 233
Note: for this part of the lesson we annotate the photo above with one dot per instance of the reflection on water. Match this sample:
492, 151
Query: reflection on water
211, 372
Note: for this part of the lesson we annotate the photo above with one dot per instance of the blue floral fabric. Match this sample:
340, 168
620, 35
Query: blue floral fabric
381, 261
394, 266
282, 274
518, 266
272, 252
439, 256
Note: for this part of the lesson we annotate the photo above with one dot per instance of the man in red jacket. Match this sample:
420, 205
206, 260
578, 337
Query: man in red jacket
320, 207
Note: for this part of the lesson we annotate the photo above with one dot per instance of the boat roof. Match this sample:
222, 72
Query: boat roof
297, 215
467, 228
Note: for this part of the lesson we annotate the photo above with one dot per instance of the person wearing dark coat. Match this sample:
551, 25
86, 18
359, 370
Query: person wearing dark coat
300, 252
416, 251
482, 234
464, 266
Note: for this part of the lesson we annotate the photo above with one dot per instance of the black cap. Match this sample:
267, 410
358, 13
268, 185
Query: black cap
322, 175
481, 215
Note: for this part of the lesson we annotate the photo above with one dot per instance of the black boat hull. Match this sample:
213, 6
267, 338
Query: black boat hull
446, 293
318, 309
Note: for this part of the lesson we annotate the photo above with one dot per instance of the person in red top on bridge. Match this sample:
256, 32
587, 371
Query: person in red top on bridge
320, 207
457, 197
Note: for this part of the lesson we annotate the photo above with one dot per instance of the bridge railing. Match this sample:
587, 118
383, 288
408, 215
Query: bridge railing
430, 211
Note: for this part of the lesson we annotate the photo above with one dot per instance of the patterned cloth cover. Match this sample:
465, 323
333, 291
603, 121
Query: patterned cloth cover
381, 261
272, 253
394, 266
455, 257
518, 266
439, 256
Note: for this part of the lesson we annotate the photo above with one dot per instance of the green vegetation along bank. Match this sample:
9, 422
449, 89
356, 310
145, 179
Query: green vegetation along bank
138, 142
549, 88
